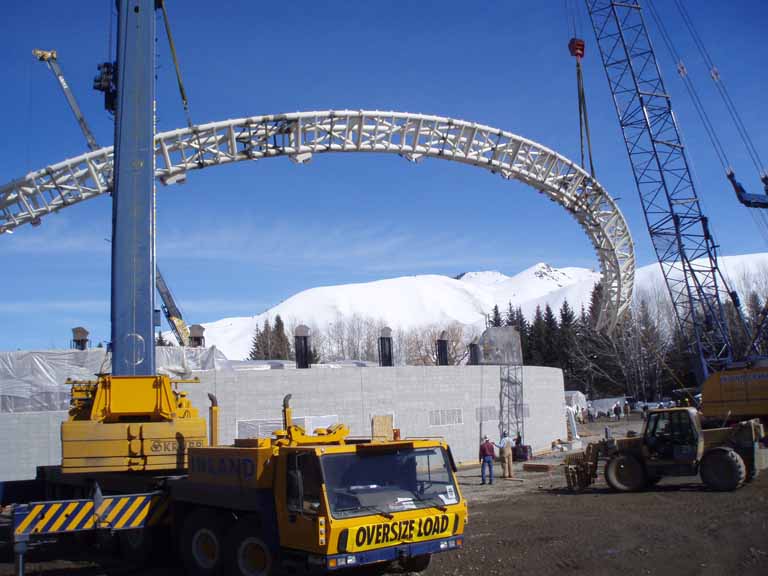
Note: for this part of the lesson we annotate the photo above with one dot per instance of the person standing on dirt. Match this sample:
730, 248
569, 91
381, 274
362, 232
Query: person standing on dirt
505, 451
626, 410
487, 455
617, 411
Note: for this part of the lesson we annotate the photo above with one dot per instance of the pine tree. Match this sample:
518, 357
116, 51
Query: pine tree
565, 344
551, 336
536, 341
496, 316
255, 353
280, 346
510, 316
524, 329
595, 304
264, 342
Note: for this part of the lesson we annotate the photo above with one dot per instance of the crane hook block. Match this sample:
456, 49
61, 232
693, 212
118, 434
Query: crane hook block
576, 47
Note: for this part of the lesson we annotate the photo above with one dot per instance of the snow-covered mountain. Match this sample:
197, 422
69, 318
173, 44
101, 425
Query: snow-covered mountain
416, 301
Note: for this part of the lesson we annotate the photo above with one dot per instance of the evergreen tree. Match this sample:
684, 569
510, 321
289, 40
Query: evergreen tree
525, 333
264, 343
565, 343
537, 339
595, 304
510, 317
280, 346
255, 353
551, 337
495, 316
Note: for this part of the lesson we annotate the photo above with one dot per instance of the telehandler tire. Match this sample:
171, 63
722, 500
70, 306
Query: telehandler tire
722, 469
247, 553
202, 543
625, 473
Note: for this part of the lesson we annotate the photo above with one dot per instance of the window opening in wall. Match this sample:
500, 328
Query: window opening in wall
446, 417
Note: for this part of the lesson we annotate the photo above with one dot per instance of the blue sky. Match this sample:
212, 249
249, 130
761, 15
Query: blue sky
236, 240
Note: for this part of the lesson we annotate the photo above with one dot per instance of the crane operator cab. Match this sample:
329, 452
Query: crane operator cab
673, 442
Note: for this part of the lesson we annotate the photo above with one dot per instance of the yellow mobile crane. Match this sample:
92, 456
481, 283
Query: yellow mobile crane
136, 459
309, 503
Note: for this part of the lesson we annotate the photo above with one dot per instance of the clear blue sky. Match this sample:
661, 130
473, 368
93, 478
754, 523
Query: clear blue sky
235, 240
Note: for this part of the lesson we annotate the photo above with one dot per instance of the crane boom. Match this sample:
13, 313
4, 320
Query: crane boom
171, 310
679, 230
50, 57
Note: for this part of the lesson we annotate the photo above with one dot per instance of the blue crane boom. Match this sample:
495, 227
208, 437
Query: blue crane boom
133, 204
679, 230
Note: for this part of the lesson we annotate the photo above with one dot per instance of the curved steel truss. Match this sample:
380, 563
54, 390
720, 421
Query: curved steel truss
302, 134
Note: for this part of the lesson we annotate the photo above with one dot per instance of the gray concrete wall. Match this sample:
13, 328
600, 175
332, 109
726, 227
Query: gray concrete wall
410, 393
29, 440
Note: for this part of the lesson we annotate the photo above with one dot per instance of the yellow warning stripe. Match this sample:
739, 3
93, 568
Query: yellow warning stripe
63, 516
116, 510
80, 515
50, 513
128, 513
141, 515
29, 519
92, 520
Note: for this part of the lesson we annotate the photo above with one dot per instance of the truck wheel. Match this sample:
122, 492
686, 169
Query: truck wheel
624, 473
247, 553
722, 469
417, 563
202, 543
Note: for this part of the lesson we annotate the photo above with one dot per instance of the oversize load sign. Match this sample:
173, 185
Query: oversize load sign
371, 536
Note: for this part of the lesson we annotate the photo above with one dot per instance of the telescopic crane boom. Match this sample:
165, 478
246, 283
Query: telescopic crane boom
170, 309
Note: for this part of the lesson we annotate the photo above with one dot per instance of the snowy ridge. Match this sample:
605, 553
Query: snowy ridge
416, 301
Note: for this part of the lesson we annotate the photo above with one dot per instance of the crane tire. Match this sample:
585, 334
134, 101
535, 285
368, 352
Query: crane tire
248, 554
722, 469
202, 543
625, 473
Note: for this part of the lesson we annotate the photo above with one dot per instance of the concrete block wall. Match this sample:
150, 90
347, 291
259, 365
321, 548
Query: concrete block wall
29, 440
410, 393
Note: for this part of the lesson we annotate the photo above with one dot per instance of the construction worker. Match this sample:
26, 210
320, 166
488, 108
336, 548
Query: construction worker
505, 451
487, 455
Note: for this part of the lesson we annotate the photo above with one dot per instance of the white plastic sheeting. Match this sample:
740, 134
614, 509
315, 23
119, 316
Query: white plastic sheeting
576, 399
36, 381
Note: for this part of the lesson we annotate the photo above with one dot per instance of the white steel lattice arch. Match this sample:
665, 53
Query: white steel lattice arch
302, 134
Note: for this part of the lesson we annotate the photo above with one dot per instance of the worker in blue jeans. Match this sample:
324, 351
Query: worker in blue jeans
487, 456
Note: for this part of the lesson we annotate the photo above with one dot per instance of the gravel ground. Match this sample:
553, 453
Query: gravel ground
534, 526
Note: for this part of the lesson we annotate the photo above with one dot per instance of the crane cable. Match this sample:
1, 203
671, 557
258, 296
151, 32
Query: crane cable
576, 47
691, 89
761, 219
721, 88
182, 91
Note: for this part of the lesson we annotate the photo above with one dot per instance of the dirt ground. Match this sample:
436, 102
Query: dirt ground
536, 527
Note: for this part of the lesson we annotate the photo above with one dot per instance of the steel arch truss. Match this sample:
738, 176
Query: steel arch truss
302, 134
